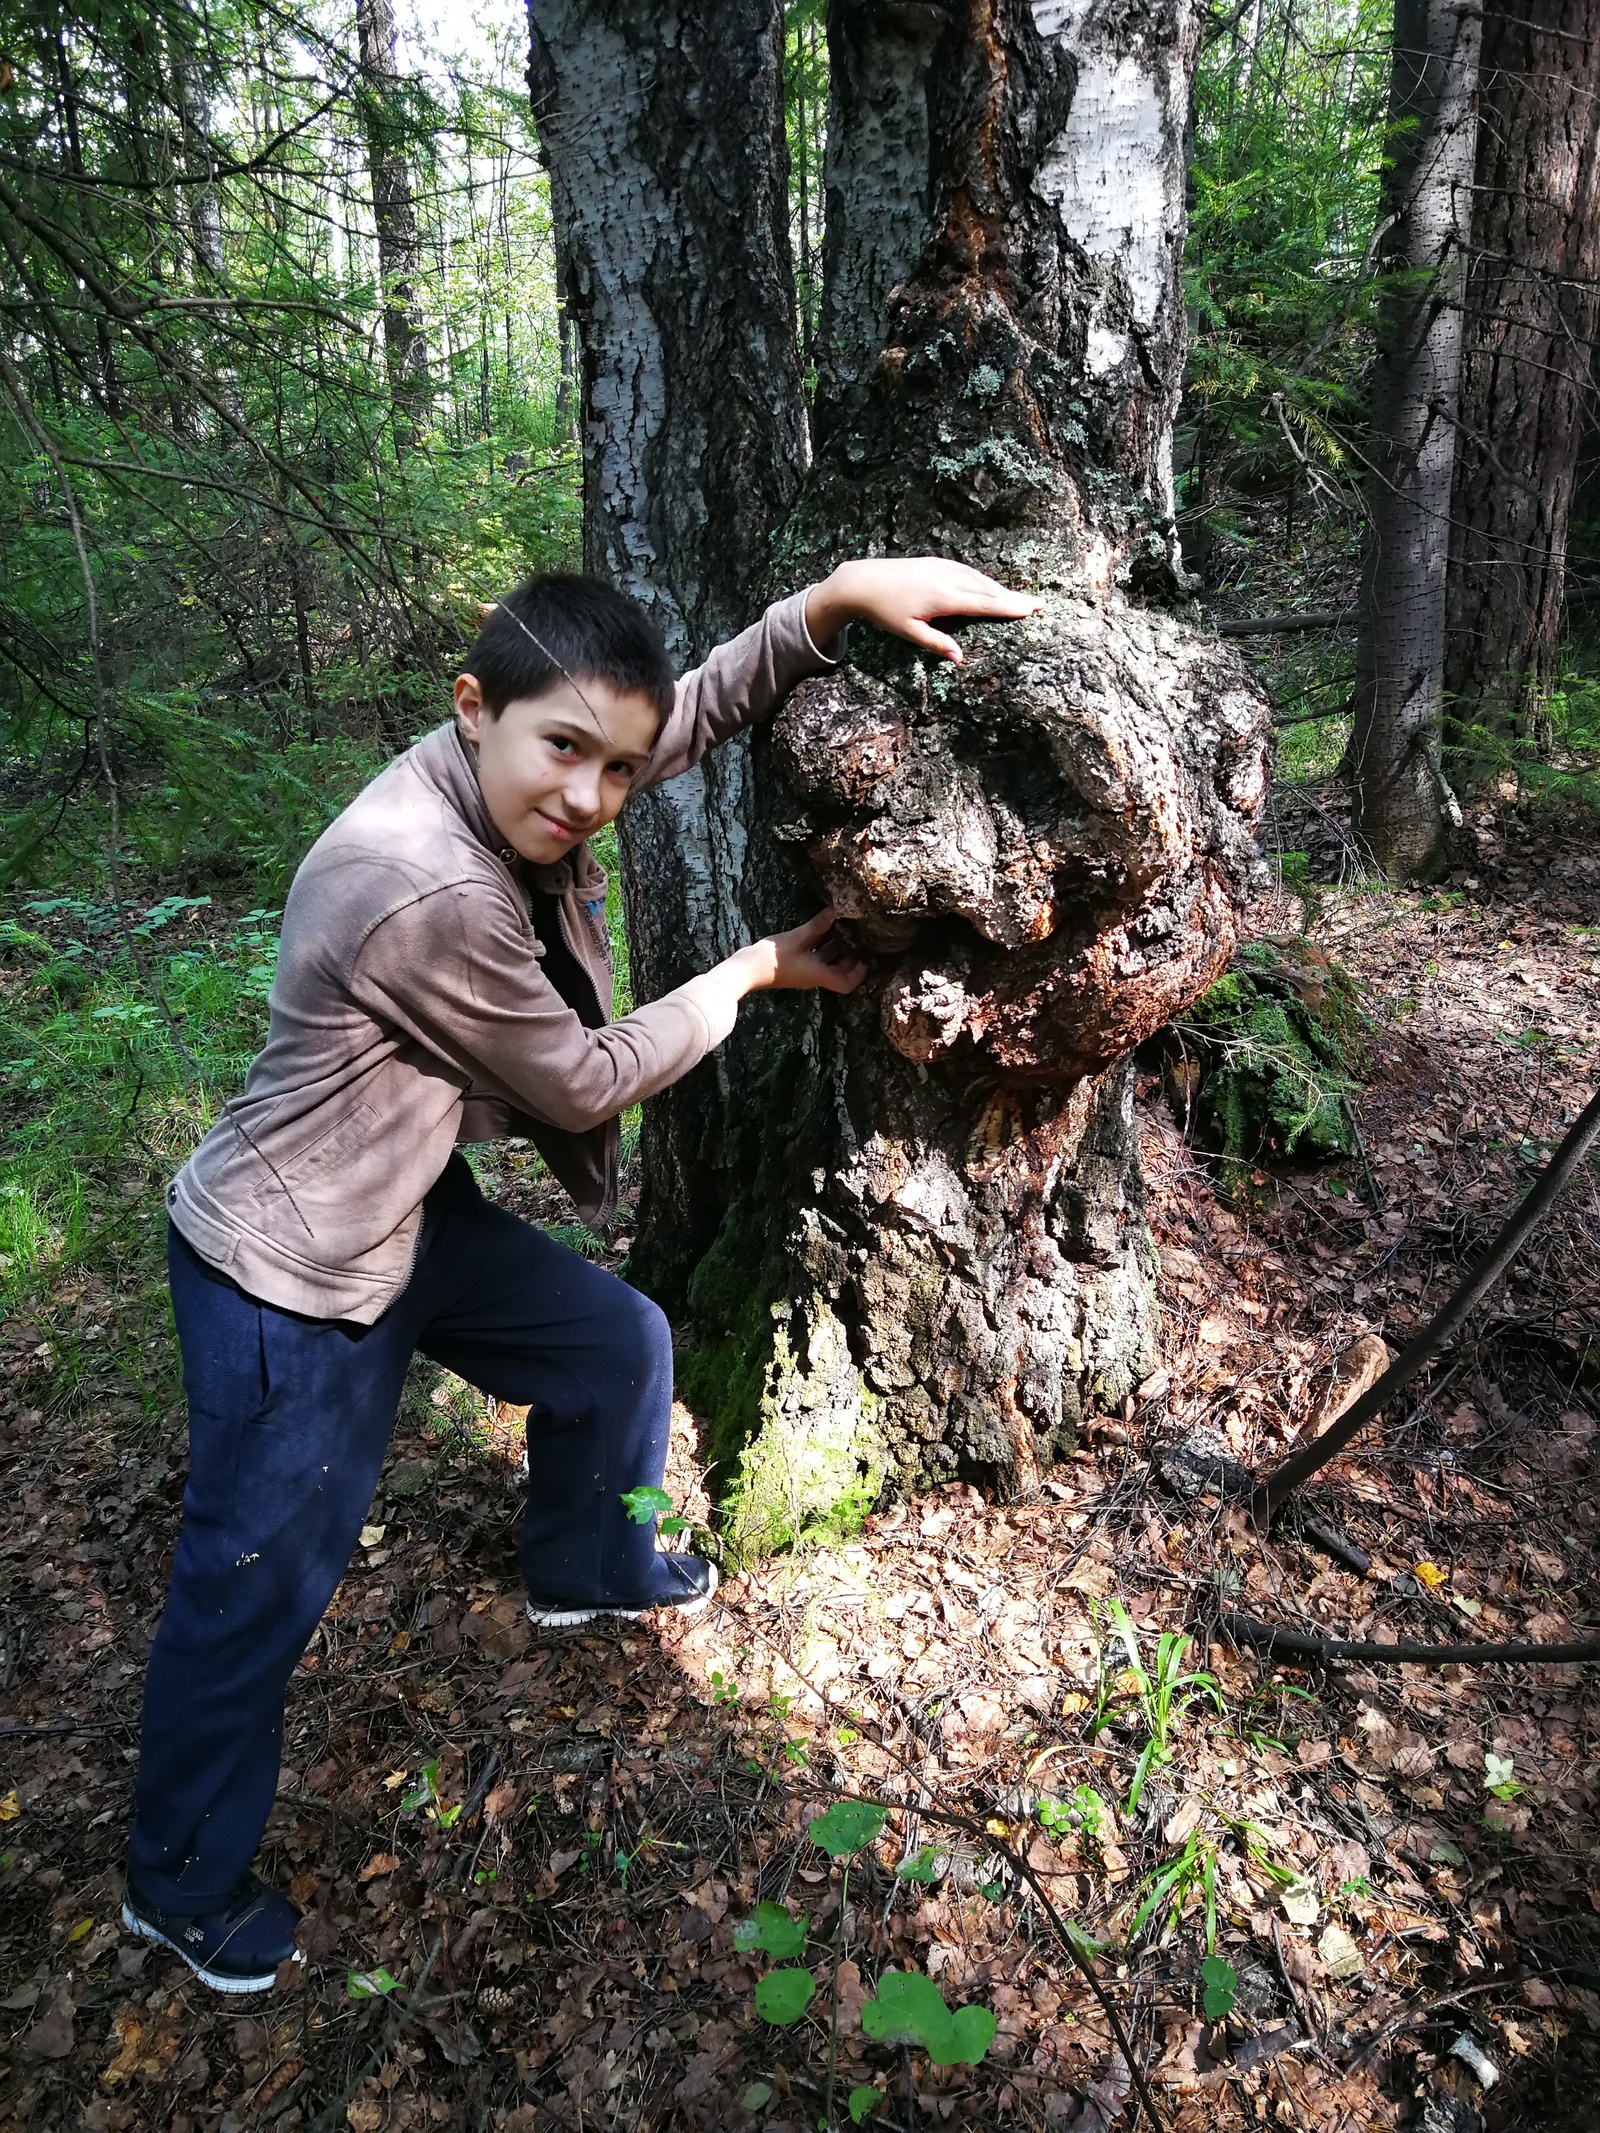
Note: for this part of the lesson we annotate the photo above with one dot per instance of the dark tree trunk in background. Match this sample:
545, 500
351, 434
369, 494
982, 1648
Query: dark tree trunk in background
1533, 308
405, 345
877, 179
199, 160
664, 139
934, 1253
1402, 803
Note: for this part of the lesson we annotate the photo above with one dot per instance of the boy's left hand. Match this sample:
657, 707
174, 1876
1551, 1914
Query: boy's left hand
902, 594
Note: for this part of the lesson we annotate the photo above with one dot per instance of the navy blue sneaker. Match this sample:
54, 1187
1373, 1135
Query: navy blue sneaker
689, 1582
235, 1949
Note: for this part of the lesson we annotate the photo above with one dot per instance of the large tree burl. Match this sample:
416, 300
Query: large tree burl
1051, 840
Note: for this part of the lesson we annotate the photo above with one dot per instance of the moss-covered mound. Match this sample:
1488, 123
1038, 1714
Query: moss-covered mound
1268, 1056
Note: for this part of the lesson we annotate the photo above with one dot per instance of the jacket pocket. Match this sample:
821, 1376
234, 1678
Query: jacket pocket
312, 1164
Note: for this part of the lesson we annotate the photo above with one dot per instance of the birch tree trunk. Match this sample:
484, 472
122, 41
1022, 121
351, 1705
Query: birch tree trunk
1402, 803
933, 1254
1533, 310
394, 217
664, 139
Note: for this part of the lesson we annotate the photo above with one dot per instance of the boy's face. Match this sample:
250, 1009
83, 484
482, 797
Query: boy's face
553, 769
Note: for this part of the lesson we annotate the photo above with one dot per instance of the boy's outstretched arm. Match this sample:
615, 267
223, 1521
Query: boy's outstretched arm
746, 679
808, 958
903, 594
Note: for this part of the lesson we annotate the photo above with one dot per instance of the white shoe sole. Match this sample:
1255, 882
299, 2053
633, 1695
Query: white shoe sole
218, 1983
575, 1617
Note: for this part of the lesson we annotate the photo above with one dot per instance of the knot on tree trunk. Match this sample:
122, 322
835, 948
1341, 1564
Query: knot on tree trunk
1050, 840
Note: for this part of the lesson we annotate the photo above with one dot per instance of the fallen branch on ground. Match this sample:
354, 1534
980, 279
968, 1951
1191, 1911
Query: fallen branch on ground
1277, 1640
1272, 1492
1286, 625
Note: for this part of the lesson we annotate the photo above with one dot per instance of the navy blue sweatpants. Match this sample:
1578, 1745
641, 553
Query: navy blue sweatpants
289, 1419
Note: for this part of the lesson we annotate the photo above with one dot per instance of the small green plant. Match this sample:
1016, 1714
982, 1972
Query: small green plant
643, 1504
910, 2009
919, 1867
1164, 1693
1499, 1777
1170, 1888
1218, 1980
1084, 1813
369, 1984
907, 2009
425, 1795
783, 1996
771, 1929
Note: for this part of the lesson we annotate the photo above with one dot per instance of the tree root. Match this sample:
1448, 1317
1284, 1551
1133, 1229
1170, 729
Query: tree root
1279, 1641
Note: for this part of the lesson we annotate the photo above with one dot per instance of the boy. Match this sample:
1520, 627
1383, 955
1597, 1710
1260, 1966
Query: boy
442, 978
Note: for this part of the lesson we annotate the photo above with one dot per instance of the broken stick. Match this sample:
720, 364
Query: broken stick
1301, 1464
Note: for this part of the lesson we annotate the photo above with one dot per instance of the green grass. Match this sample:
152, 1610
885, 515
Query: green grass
98, 1106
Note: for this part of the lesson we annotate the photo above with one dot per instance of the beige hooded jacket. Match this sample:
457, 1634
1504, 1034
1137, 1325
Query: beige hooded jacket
411, 1012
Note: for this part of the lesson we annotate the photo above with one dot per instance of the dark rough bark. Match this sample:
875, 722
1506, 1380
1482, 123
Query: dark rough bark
404, 343
199, 161
934, 1253
663, 134
1533, 310
876, 178
1402, 803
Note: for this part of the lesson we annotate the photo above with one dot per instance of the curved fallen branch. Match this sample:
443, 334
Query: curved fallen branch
1300, 1465
1329, 618
1277, 1640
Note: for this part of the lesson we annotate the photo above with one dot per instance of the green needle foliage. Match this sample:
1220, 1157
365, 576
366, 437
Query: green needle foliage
1289, 107
1274, 1051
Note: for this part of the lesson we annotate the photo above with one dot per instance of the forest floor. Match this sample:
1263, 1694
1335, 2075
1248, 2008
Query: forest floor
522, 1859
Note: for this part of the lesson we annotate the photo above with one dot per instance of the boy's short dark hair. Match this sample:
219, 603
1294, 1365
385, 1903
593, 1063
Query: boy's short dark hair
587, 626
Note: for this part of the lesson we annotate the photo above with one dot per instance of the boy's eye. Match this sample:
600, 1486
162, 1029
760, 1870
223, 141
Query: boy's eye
561, 745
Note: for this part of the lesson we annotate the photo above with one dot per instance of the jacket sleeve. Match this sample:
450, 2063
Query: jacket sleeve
456, 973
743, 682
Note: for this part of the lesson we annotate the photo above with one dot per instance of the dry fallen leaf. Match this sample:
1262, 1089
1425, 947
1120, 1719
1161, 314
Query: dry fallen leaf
1299, 1901
1413, 1758
149, 2044
1184, 1821
1339, 1953
51, 2036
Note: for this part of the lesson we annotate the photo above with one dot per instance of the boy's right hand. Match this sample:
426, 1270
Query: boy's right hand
813, 957
808, 958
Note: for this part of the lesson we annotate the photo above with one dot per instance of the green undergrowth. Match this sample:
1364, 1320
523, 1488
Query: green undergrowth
1269, 1056
99, 1105
1555, 763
